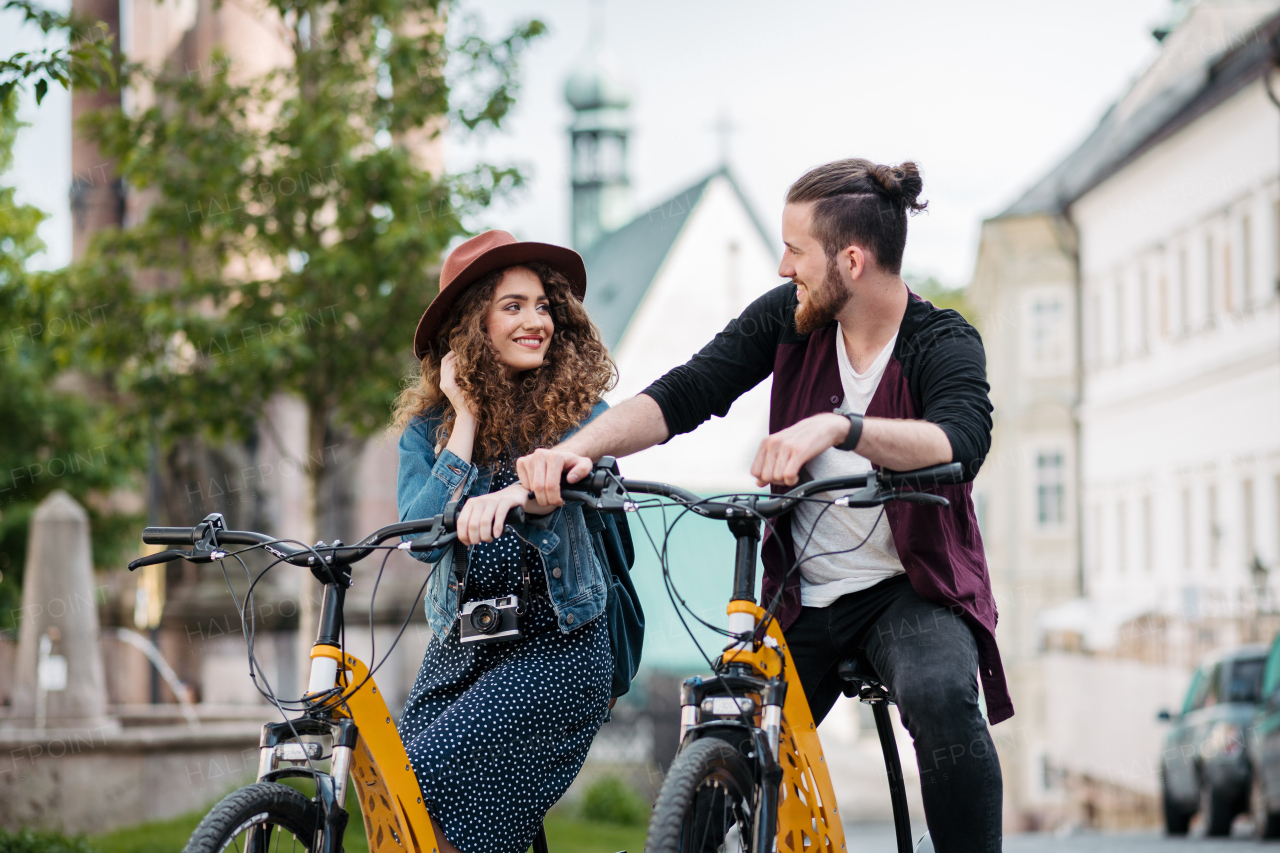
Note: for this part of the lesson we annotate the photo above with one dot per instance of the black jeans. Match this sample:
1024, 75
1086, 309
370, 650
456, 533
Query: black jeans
927, 657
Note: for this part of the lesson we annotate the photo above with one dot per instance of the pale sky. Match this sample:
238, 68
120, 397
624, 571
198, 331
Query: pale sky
985, 96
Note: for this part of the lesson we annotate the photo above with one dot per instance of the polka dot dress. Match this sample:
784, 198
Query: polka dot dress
497, 732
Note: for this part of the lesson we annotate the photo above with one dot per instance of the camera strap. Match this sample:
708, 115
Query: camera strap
524, 577
460, 556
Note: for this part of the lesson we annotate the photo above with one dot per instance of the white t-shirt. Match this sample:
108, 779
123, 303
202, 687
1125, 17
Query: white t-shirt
824, 579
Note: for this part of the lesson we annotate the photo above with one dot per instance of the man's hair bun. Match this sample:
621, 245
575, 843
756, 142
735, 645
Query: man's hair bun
901, 183
857, 201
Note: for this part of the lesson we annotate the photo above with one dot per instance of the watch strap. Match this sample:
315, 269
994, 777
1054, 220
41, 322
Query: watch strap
855, 429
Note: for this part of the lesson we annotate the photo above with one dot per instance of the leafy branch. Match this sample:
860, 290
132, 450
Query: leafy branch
87, 60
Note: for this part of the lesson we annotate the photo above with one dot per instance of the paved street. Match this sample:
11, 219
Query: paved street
878, 838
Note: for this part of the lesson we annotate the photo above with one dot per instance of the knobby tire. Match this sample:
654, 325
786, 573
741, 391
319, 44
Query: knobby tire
265, 817
709, 787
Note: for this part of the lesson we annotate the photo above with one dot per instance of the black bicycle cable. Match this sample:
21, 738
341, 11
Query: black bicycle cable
301, 704
669, 584
344, 696
250, 631
664, 558
375, 665
795, 566
334, 697
248, 624
678, 601
296, 705
673, 594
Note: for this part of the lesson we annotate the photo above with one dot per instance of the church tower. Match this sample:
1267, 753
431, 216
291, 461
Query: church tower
598, 153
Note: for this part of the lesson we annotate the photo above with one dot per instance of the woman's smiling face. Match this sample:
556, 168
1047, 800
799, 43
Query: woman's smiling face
519, 320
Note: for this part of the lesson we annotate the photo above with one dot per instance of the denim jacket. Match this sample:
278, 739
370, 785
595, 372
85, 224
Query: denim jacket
427, 481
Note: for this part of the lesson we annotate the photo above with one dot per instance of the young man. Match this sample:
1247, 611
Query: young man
909, 385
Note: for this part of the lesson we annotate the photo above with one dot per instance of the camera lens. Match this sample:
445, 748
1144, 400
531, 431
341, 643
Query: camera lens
485, 619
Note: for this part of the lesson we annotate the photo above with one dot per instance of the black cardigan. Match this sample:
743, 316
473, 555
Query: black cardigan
940, 353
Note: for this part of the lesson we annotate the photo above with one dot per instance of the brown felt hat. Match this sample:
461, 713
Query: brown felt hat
481, 255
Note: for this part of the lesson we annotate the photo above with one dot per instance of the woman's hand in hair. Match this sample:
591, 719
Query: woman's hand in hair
449, 385
484, 516
462, 437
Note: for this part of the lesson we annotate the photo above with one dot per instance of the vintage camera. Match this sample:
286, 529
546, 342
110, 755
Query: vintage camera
494, 620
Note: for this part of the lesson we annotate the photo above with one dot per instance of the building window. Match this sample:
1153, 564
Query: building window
1148, 537
1122, 535
1228, 285
1250, 540
1246, 261
1184, 292
1093, 329
1050, 489
1275, 264
1210, 281
1186, 529
1048, 331
1166, 324
1118, 298
1215, 530
1144, 311
1095, 539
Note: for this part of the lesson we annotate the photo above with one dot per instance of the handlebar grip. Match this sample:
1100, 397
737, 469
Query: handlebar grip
158, 557
432, 539
593, 483
951, 473
168, 535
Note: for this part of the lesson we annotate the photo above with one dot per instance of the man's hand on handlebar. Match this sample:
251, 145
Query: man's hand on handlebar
783, 454
541, 470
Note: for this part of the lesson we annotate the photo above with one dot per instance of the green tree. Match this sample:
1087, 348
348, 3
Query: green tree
293, 225
54, 435
956, 298
87, 59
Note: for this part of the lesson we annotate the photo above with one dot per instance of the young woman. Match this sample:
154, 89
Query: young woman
496, 731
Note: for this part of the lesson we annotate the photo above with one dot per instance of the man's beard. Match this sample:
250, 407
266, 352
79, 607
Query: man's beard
824, 302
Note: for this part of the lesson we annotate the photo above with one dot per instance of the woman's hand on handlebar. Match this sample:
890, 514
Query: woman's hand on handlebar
540, 472
484, 516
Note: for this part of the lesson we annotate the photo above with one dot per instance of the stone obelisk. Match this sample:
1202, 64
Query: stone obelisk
59, 680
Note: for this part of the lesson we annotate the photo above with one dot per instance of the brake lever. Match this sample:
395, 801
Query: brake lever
428, 542
922, 498
159, 557
613, 496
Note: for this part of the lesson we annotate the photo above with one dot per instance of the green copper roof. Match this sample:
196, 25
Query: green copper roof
622, 264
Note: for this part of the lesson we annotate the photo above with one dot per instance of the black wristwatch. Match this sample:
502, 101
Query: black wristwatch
855, 429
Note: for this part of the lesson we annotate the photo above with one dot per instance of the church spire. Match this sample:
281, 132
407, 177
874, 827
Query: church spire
598, 153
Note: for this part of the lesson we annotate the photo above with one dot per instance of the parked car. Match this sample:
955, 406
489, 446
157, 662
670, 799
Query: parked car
1205, 766
1263, 746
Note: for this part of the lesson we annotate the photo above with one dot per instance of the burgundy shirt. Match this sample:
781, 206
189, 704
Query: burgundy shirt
937, 373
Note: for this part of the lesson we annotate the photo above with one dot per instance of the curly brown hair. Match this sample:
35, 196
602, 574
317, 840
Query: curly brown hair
518, 413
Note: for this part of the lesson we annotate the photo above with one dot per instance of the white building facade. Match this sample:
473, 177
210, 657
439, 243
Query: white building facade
1130, 307
1180, 421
